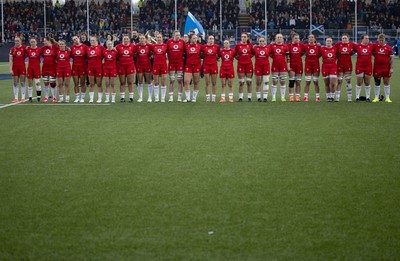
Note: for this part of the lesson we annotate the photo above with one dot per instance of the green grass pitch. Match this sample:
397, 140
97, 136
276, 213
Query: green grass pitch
241, 181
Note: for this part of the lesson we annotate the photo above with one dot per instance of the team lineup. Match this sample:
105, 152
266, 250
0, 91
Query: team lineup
184, 60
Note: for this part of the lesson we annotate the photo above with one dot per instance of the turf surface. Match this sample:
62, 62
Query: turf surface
241, 181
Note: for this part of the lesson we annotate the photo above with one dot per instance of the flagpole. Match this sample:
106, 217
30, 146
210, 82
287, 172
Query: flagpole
355, 11
221, 37
176, 15
44, 18
87, 18
310, 16
266, 21
131, 4
2, 22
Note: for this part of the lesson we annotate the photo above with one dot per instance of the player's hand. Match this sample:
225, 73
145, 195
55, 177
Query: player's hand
11, 72
391, 71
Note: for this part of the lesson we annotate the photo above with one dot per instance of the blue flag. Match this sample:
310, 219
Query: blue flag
194, 25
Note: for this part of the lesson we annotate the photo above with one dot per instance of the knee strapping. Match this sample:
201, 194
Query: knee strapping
282, 77
308, 78
265, 78
377, 81
291, 83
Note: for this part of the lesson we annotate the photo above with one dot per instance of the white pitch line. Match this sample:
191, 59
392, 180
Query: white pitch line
64, 104
8, 105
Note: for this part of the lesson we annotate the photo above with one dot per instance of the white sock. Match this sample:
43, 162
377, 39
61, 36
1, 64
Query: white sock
67, 98
83, 95
30, 91
77, 95
283, 91
337, 95
23, 90
113, 97
387, 91
179, 96
100, 96
107, 96
367, 91
150, 91
241, 95
91, 95
187, 94
258, 95
163, 92
230, 95
140, 91
156, 92
61, 97
122, 94
54, 92
377, 91
195, 92
16, 91
171, 94
213, 97
131, 94
46, 91
317, 95
306, 95
274, 89
349, 91
249, 95
358, 91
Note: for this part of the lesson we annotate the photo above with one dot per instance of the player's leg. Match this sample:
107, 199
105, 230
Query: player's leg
113, 89
172, 79
265, 81
163, 86
30, 88
249, 76
367, 83
53, 86
82, 85
223, 88
156, 88
15, 86
214, 86
360, 79
241, 84
99, 82
187, 79
298, 86
292, 81
108, 83
207, 80
92, 82
349, 87
122, 86
130, 79
275, 77
339, 85
282, 81
139, 79
179, 78
196, 81
307, 77
316, 86
386, 86
259, 79
46, 84
60, 83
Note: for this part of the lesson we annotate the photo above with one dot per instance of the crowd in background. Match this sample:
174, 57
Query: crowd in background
112, 16
332, 14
